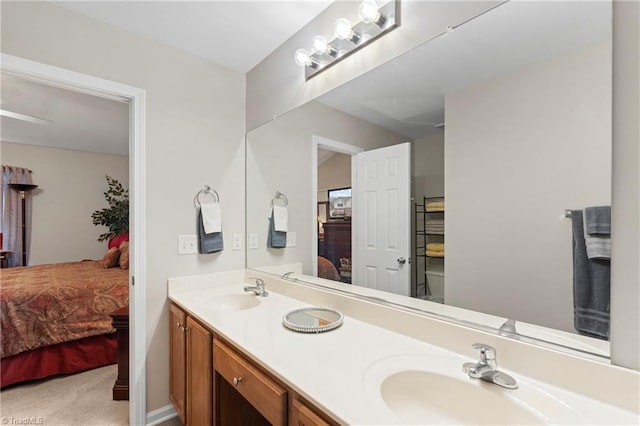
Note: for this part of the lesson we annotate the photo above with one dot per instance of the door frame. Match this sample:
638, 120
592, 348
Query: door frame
343, 148
135, 97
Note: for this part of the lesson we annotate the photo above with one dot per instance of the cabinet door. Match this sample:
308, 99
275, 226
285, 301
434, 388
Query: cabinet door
301, 415
199, 375
177, 359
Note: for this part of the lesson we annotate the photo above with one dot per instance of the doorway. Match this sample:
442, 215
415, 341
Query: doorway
59, 77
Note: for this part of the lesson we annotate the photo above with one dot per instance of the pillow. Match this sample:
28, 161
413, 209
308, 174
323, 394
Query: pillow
117, 240
124, 255
111, 257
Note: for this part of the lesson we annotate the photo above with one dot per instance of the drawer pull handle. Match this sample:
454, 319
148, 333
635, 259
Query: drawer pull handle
181, 326
236, 381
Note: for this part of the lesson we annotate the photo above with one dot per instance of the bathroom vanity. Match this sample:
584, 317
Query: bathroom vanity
233, 362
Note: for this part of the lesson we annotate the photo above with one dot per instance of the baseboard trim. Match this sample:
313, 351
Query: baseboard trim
160, 415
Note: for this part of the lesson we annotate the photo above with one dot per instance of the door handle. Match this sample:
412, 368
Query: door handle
402, 260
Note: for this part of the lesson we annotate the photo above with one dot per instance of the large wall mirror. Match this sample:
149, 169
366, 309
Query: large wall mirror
507, 120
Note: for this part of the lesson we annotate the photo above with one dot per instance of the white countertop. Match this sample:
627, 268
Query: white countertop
337, 370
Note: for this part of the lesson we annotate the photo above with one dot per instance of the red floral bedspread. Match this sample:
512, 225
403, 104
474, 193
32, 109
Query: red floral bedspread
48, 304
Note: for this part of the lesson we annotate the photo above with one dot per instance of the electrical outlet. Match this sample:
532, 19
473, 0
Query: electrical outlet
237, 241
291, 239
187, 244
253, 241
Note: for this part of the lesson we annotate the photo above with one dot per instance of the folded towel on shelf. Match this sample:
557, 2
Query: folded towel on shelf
435, 253
275, 239
435, 222
280, 218
435, 247
597, 229
597, 220
591, 285
208, 243
211, 217
435, 209
435, 206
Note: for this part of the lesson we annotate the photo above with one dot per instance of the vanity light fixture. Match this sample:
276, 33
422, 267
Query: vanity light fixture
377, 17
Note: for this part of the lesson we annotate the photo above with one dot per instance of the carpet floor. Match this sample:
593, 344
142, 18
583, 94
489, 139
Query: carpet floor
83, 399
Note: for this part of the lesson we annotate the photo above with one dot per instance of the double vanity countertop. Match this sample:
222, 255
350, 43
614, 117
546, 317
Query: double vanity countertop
361, 373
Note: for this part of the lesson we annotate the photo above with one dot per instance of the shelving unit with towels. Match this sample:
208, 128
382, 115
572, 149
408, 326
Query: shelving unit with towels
429, 233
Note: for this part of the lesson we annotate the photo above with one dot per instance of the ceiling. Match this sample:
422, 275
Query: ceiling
234, 34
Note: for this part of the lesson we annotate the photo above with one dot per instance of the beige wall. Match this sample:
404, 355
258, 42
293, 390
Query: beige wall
70, 188
334, 173
277, 84
282, 149
520, 150
194, 136
625, 226
428, 166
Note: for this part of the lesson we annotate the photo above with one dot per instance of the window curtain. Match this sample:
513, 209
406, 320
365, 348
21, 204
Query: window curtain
11, 214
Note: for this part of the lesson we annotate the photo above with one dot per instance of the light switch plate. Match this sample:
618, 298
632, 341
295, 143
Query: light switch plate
253, 241
187, 244
291, 239
237, 241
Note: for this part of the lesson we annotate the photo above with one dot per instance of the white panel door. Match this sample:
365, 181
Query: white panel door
382, 222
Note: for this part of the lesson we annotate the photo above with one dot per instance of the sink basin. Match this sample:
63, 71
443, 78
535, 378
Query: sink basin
232, 302
425, 389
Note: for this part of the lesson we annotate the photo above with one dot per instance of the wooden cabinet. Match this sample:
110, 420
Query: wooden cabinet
191, 372
337, 244
301, 415
199, 375
178, 360
263, 393
212, 382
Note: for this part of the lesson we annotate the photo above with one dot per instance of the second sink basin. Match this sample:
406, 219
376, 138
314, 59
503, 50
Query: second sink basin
424, 389
232, 302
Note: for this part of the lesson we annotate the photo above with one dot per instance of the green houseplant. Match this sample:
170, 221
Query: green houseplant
116, 216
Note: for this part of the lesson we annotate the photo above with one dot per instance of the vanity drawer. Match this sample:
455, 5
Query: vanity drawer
264, 394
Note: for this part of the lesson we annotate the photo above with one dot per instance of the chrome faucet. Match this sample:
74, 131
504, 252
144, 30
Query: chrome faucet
487, 368
286, 275
259, 289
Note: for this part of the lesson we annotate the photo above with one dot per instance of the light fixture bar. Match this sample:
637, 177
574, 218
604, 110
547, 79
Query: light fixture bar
375, 21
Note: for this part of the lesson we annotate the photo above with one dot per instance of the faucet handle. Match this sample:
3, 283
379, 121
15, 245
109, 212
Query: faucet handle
487, 354
258, 281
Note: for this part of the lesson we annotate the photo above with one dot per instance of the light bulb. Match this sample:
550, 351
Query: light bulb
343, 29
321, 45
368, 11
301, 57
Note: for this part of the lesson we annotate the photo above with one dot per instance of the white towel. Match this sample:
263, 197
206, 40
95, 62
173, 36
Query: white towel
211, 217
280, 218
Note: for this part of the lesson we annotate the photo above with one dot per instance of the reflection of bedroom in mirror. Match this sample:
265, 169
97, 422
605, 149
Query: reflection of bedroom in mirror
66, 257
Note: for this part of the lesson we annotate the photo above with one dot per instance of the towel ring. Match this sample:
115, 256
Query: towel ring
207, 191
279, 195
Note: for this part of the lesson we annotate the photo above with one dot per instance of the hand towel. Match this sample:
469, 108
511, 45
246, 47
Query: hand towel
597, 227
280, 218
275, 239
208, 243
597, 220
211, 217
591, 285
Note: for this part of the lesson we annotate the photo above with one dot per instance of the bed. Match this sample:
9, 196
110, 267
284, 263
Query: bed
55, 318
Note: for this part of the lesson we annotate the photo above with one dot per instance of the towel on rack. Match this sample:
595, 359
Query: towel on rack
211, 217
208, 243
275, 239
597, 230
591, 285
280, 218
597, 220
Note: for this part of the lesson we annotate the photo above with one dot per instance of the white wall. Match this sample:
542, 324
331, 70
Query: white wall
282, 149
194, 136
277, 84
519, 152
428, 166
61, 227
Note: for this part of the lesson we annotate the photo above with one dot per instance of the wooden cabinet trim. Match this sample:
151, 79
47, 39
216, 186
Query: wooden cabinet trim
268, 397
177, 361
